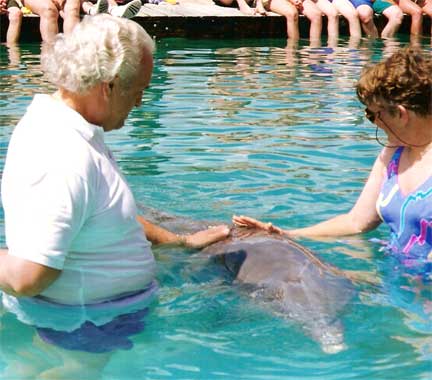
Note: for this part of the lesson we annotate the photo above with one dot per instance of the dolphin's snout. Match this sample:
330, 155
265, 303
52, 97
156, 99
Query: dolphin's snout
331, 338
333, 348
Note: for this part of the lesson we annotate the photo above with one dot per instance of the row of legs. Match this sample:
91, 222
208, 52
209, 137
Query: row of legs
49, 11
360, 17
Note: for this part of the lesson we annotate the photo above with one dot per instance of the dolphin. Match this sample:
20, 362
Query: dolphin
281, 275
289, 279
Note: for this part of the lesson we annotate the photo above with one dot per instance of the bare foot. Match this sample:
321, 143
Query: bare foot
247, 10
260, 10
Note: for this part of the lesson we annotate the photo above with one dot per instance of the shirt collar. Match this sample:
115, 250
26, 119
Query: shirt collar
72, 119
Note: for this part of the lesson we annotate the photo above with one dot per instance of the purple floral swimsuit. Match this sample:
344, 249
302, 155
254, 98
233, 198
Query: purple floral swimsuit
408, 216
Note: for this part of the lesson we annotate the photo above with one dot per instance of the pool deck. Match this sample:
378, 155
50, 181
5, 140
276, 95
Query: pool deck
203, 19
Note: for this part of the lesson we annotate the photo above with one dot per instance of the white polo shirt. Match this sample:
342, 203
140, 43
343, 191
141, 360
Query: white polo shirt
67, 206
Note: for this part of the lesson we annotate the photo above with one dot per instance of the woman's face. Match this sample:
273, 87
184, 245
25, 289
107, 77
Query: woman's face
391, 123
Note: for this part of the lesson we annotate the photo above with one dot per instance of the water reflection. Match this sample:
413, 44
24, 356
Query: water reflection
290, 85
21, 78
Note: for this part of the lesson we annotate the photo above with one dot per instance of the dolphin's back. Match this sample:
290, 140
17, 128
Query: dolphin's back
272, 262
256, 255
255, 259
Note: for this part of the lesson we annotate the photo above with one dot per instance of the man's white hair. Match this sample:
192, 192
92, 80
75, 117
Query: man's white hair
100, 48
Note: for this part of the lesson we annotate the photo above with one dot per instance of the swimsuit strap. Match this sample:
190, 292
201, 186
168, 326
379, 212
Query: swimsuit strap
393, 165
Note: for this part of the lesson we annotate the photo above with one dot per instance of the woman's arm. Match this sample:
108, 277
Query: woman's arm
361, 218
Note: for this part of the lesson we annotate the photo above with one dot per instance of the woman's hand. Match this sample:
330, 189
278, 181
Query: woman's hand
247, 222
203, 238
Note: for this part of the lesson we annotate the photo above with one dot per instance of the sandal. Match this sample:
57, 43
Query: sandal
128, 10
101, 6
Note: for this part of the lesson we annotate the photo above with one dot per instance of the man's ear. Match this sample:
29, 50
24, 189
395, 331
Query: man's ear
107, 88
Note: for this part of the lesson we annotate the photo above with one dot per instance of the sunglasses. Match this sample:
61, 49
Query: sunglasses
370, 115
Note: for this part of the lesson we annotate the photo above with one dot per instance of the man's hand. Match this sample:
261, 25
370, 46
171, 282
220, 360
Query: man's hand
203, 238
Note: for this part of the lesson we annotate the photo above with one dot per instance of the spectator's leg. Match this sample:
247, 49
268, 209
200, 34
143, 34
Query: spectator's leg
71, 15
15, 19
366, 15
48, 14
311, 11
395, 17
347, 10
332, 15
416, 13
427, 8
285, 8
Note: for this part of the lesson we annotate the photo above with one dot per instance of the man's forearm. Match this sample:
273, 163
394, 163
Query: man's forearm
200, 239
159, 235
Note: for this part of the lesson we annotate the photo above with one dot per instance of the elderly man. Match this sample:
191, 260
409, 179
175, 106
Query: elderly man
79, 265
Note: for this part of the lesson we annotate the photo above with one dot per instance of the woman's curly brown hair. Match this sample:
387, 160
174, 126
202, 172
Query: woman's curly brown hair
405, 79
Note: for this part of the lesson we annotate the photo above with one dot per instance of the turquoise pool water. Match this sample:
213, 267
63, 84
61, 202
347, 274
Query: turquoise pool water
262, 129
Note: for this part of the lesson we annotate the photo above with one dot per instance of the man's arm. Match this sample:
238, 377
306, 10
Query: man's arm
21, 277
159, 235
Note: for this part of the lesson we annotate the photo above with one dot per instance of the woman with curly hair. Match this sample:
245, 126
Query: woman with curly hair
397, 94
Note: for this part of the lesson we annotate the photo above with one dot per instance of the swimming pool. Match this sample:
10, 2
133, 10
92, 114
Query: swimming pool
262, 129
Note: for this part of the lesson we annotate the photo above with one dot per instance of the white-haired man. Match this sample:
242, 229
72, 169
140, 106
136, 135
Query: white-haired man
72, 230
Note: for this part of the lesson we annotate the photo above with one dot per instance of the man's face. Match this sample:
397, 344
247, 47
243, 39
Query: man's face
122, 100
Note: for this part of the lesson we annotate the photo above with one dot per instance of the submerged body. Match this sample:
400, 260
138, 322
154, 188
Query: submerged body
290, 280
